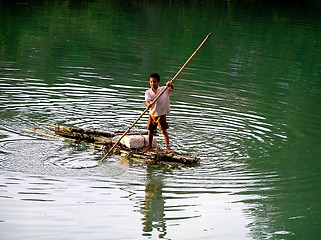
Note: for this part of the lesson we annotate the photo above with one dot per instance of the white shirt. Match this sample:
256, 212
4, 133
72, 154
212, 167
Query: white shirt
162, 105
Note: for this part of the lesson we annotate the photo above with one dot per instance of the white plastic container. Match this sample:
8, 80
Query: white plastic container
136, 141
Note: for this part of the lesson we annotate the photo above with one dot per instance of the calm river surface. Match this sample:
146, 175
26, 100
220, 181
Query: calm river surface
248, 105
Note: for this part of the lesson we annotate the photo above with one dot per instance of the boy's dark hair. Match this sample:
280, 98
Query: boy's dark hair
155, 75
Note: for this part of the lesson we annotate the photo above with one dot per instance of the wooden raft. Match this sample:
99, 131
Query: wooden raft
105, 140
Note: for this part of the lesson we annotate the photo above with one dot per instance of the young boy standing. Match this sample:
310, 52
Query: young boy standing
158, 111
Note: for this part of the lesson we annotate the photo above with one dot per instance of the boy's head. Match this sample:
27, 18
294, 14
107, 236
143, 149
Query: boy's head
154, 80
156, 76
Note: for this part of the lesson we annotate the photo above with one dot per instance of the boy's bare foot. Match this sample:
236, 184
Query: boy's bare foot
168, 149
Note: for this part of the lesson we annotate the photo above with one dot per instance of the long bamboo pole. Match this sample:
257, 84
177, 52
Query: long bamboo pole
158, 96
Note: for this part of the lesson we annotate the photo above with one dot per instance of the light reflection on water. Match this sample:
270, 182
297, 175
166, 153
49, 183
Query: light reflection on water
159, 202
37, 202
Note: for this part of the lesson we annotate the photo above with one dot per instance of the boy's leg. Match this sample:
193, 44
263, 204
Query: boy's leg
163, 126
150, 138
151, 127
166, 138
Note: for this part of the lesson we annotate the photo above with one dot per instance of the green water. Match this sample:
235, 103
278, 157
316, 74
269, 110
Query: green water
248, 105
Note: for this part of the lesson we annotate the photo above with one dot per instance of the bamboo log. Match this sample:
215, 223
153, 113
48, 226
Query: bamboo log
65, 129
160, 156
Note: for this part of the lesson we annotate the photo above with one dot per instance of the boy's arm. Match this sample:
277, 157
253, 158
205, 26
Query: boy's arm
148, 103
147, 99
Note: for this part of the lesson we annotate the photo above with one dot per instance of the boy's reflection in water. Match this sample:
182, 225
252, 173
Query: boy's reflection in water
153, 206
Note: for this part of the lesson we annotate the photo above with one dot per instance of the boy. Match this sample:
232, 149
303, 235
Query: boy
158, 111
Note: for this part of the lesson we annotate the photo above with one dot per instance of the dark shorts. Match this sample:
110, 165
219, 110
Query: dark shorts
154, 122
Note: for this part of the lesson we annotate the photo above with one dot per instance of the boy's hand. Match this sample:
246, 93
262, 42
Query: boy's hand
170, 85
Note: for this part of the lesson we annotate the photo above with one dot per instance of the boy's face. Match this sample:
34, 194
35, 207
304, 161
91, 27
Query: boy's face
153, 83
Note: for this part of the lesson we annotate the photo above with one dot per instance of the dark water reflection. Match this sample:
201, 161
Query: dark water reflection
248, 105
